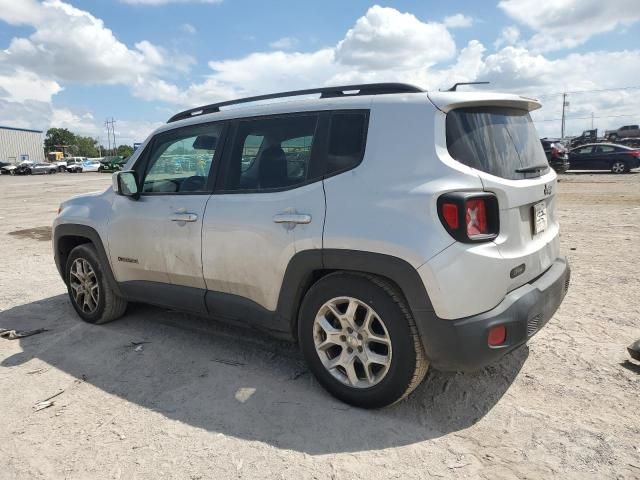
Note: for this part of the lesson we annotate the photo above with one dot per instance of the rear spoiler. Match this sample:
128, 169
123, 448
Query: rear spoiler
446, 101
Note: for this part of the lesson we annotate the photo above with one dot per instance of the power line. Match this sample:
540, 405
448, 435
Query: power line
633, 87
584, 118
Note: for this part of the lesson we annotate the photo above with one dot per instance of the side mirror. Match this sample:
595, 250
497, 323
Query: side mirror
126, 184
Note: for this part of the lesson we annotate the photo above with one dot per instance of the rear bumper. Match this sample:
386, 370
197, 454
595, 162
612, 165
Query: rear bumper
560, 165
461, 345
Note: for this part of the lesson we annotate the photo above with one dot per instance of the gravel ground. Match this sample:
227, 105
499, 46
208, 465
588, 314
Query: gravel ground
202, 400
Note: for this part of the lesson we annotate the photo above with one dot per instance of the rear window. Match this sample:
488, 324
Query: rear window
495, 140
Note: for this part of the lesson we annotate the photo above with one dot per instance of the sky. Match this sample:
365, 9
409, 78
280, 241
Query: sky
75, 63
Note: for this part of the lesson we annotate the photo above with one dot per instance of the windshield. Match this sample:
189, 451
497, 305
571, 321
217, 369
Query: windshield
496, 140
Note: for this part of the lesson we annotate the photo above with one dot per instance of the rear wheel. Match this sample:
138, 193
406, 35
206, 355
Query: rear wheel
91, 295
360, 340
619, 167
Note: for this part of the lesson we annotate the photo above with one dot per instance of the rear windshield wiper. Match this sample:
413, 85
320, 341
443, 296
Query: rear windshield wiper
532, 168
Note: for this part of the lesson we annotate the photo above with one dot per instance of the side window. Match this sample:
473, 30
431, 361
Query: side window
347, 137
250, 151
180, 160
605, 149
585, 150
298, 153
271, 153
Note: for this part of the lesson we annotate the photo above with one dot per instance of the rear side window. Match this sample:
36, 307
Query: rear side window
605, 149
347, 137
271, 153
495, 140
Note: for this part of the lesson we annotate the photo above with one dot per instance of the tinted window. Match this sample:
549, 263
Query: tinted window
495, 140
271, 153
180, 160
347, 138
584, 150
605, 149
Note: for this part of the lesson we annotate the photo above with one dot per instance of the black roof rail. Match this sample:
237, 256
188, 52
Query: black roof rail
455, 86
325, 92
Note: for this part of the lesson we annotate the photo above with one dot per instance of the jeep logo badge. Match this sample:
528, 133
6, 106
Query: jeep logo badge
547, 189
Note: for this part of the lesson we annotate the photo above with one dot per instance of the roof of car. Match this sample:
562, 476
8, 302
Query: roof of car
602, 144
342, 97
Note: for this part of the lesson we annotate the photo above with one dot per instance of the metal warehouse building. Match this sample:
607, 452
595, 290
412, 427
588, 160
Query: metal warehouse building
19, 144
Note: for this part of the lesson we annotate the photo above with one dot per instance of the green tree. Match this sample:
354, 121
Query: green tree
124, 150
58, 136
86, 147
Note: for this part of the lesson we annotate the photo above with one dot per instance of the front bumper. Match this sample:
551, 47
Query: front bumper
461, 345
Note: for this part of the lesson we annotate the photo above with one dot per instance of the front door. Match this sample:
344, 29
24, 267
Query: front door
155, 241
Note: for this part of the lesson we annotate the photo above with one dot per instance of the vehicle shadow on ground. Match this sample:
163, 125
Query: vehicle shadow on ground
240, 382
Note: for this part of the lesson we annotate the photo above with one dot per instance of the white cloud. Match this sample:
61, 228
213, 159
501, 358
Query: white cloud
569, 23
72, 45
188, 28
20, 85
284, 43
385, 37
458, 21
508, 36
383, 45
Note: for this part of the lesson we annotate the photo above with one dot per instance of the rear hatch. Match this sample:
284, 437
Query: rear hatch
494, 135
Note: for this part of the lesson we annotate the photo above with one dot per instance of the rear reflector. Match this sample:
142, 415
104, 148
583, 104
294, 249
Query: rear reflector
497, 335
450, 214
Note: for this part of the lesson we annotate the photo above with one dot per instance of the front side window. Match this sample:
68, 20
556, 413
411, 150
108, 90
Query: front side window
496, 140
585, 150
271, 153
180, 160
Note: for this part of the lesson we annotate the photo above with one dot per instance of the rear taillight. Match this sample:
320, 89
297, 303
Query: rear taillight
635, 153
469, 217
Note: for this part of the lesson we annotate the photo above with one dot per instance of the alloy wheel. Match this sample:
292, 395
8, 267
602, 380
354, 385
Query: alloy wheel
352, 342
84, 285
618, 167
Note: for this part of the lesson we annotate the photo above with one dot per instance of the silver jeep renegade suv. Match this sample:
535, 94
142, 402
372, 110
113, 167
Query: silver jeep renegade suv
384, 228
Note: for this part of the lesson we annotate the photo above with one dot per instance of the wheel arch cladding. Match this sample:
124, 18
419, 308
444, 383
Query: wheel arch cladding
68, 236
307, 267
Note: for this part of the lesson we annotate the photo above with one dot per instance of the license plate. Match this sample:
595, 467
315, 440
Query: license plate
539, 217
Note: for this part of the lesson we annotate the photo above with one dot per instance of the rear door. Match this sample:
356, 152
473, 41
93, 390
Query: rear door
502, 144
267, 206
580, 158
602, 157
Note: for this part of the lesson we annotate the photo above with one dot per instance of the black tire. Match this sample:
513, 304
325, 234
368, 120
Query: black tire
408, 362
109, 306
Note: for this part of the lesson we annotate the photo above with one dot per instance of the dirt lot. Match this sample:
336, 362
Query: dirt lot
201, 400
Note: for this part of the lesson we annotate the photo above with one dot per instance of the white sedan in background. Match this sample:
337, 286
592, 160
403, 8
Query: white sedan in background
84, 166
90, 166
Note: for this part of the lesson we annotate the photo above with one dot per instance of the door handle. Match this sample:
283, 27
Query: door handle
184, 217
302, 218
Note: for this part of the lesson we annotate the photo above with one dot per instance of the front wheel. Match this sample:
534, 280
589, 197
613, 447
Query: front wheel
91, 295
619, 167
360, 340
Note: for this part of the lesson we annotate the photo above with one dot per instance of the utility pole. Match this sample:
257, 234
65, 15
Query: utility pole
591, 120
564, 103
107, 124
111, 130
